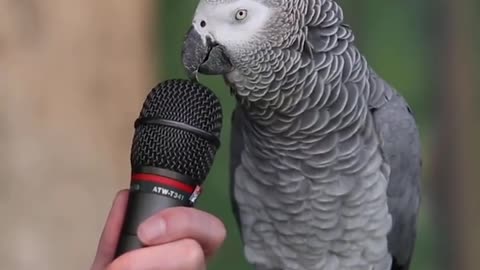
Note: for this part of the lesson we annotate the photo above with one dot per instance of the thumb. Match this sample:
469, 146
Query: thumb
111, 232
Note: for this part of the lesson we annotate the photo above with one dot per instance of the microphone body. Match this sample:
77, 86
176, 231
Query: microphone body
153, 190
175, 141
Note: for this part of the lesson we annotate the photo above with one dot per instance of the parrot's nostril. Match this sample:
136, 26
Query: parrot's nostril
203, 23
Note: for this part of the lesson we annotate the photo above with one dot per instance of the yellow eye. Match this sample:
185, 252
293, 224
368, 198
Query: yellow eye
241, 14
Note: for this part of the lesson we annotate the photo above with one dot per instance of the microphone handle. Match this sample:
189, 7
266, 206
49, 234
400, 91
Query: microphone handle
142, 204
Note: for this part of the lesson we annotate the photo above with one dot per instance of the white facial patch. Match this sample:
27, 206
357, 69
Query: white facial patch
227, 23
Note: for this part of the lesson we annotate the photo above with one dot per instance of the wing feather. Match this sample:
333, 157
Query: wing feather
395, 124
236, 148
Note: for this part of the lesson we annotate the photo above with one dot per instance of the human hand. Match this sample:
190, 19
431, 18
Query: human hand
176, 239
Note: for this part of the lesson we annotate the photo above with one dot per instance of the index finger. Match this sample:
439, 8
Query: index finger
111, 231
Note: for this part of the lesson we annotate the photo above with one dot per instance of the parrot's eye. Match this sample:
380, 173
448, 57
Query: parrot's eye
241, 14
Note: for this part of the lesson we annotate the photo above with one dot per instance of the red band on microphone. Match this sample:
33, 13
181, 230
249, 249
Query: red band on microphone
162, 180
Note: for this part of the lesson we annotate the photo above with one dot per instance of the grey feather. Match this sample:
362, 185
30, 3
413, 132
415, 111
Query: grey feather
236, 149
401, 147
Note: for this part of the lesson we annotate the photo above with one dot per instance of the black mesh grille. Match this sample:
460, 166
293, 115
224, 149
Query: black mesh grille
173, 148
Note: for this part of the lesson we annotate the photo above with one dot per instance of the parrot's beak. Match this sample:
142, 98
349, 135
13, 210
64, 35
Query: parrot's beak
204, 55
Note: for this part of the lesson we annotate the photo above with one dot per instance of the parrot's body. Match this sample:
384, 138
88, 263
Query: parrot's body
325, 155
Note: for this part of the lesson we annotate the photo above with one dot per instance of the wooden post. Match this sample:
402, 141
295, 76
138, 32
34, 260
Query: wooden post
73, 75
456, 152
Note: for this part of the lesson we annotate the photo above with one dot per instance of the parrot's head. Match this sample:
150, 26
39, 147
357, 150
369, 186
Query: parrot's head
226, 34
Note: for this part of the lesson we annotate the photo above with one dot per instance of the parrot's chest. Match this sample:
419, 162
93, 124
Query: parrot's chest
314, 203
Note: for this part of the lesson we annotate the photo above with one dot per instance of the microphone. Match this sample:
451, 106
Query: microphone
174, 145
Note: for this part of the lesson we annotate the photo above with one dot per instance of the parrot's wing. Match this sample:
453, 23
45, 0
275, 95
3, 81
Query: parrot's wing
400, 145
236, 148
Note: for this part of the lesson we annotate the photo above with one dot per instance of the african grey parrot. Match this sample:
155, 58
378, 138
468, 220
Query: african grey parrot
325, 155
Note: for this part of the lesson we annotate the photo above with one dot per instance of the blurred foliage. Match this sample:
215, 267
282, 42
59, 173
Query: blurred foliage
391, 36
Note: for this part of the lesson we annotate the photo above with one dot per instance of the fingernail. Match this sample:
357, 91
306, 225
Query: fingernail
151, 230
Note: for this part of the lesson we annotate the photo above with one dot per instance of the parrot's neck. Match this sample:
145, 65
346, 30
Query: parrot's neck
279, 96
313, 73
309, 71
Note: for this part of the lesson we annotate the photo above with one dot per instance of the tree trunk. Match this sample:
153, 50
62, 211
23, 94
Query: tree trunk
456, 158
73, 75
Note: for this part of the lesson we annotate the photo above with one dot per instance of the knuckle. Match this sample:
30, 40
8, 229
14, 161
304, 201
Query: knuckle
177, 222
194, 255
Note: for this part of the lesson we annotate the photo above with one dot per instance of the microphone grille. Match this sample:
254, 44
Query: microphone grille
174, 148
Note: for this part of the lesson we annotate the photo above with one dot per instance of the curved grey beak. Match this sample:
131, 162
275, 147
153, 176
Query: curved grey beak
205, 57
